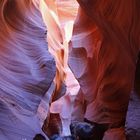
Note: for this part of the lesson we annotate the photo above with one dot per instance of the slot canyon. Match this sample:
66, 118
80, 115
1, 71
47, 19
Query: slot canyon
69, 70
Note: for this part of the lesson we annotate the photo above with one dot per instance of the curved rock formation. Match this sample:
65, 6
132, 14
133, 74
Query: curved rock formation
103, 54
27, 69
59, 20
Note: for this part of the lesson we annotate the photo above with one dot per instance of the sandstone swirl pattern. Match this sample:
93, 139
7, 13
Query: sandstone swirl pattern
26, 69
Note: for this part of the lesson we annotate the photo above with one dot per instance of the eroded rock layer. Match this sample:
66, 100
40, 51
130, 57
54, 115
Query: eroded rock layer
27, 69
103, 54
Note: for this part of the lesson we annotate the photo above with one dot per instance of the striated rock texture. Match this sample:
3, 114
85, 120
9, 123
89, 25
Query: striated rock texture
27, 70
103, 54
59, 16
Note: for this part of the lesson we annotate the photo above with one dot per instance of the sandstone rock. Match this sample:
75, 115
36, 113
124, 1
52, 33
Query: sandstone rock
27, 69
103, 55
59, 20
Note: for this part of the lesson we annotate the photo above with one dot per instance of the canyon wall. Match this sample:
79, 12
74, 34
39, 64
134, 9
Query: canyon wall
27, 70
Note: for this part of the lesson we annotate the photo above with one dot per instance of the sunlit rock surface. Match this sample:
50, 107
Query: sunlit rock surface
27, 70
59, 20
29, 78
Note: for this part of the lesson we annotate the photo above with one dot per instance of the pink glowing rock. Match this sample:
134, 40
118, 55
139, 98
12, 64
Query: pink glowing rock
61, 15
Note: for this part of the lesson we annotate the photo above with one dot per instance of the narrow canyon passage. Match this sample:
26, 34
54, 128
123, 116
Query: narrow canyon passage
69, 70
